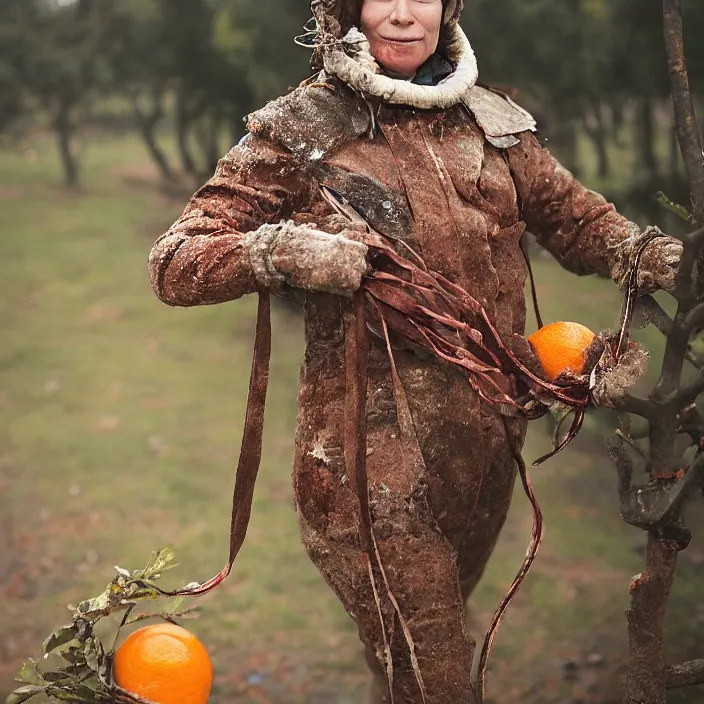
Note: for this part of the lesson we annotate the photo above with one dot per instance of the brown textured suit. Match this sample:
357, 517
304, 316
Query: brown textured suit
431, 179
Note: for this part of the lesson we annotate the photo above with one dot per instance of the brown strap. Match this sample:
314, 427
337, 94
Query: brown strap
536, 540
251, 450
533, 290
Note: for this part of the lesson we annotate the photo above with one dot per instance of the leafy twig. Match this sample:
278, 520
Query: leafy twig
85, 675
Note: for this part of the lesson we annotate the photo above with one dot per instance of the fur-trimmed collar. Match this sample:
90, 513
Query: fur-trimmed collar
350, 61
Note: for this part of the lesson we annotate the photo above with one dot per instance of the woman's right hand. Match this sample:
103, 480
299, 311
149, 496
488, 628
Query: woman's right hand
307, 258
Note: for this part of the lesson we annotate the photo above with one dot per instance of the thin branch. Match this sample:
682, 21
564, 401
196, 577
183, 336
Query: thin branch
631, 443
639, 407
654, 507
655, 314
624, 467
670, 504
689, 393
696, 238
687, 129
673, 360
691, 423
686, 674
695, 319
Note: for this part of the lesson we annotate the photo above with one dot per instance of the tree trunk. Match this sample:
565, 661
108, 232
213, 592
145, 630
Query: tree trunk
604, 166
597, 133
618, 118
147, 128
64, 134
675, 156
565, 140
646, 678
646, 140
183, 124
211, 145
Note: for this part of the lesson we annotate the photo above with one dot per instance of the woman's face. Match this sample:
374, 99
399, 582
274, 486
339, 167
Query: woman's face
402, 34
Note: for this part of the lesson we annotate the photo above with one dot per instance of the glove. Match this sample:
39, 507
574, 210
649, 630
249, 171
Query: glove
303, 257
658, 265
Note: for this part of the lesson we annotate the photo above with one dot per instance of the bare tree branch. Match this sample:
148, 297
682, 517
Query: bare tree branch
624, 466
639, 407
686, 674
689, 393
692, 424
655, 314
687, 129
656, 507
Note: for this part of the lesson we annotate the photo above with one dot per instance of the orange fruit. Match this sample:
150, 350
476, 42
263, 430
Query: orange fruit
562, 347
164, 663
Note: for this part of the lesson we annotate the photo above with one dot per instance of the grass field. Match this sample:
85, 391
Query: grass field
120, 422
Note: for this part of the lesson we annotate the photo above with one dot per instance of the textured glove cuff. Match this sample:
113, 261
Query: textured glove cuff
304, 257
261, 243
658, 264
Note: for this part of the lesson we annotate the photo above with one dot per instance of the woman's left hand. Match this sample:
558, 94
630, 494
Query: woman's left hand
659, 265
659, 262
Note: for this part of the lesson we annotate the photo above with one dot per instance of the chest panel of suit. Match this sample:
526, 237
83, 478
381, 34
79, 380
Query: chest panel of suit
430, 178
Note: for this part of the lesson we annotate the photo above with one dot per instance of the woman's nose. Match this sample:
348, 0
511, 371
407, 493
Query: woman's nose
402, 13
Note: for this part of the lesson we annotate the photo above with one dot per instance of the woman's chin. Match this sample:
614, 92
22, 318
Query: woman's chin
399, 61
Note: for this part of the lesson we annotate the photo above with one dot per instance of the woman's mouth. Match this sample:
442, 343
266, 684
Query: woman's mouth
400, 41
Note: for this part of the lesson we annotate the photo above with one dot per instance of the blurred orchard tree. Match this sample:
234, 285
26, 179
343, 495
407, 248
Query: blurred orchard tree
190, 70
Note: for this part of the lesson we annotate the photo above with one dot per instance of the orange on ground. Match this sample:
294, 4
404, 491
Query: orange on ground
562, 347
164, 663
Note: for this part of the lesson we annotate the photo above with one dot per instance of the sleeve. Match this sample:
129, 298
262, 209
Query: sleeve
577, 226
203, 258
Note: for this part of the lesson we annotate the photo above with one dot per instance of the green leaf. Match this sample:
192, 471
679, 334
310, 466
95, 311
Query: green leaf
160, 560
74, 655
95, 608
94, 654
60, 677
87, 691
76, 695
88, 688
22, 694
61, 637
678, 210
29, 673
174, 607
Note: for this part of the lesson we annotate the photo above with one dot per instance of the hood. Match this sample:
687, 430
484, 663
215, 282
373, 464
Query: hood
342, 51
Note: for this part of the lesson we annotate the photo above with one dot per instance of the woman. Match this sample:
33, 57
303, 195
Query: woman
397, 125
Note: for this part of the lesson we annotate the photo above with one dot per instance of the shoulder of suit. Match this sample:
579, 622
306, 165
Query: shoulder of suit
499, 117
314, 120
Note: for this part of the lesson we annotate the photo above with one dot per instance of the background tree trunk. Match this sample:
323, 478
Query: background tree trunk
646, 140
64, 134
183, 119
147, 124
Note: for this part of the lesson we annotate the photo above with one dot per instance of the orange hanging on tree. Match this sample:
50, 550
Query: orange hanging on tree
165, 664
562, 347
